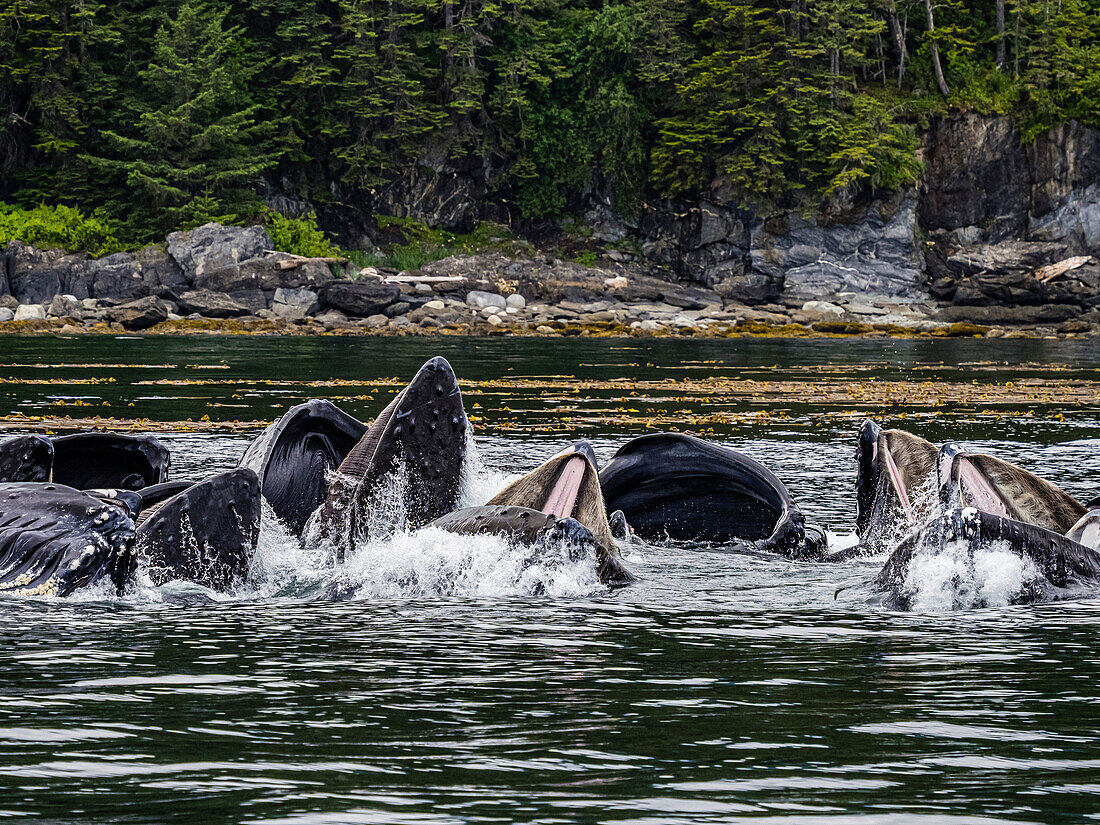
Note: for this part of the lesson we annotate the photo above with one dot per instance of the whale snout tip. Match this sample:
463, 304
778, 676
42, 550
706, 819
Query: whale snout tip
438, 363
584, 447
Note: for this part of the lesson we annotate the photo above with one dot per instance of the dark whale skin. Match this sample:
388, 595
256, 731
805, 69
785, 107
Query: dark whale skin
295, 454
55, 540
423, 430
109, 460
26, 458
527, 526
206, 534
683, 488
879, 499
1061, 561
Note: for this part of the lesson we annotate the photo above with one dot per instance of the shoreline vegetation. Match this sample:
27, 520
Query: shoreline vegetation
172, 113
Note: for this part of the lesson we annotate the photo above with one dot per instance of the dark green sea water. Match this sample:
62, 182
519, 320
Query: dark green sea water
720, 688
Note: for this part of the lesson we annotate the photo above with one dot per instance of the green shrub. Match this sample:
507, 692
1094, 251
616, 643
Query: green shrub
414, 244
50, 227
299, 236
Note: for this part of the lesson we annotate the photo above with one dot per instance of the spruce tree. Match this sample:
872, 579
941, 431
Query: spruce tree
192, 149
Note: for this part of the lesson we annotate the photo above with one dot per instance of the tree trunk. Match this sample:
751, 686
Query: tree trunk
898, 34
1016, 44
935, 50
1000, 35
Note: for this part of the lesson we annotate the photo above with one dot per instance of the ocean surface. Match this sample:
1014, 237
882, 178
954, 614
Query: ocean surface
721, 687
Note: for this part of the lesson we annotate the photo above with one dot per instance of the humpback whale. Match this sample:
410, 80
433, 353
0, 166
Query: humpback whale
891, 465
54, 539
26, 458
104, 460
206, 533
541, 531
557, 503
681, 487
294, 456
566, 486
994, 486
421, 433
1060, 560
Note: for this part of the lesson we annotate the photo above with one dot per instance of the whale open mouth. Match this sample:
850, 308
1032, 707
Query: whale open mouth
980, 491
567, 487
898, 483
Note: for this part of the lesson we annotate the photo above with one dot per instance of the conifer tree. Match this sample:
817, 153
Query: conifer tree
193, 148
43, 54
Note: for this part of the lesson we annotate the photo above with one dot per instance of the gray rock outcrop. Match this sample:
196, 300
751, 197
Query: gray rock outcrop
294, 304
210, 304
140, 314
125, 276
268, 273
874, 251
213, 247
35, 276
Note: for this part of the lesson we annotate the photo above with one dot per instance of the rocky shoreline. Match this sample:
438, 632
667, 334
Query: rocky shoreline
227, 280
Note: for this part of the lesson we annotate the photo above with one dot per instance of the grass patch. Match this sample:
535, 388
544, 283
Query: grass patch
408, 244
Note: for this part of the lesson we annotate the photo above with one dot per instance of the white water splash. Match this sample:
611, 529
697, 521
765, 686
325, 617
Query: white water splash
953, 578
479, 481
396, 562
282, 560
925, 502
432, 563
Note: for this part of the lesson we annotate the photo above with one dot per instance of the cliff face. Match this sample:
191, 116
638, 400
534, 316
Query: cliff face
1008, 223
989, 212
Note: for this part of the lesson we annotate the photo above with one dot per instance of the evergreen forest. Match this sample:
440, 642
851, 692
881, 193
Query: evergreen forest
156, 115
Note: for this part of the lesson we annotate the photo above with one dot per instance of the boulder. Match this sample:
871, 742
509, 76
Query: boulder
30, 312
5, 285
333, 319
359, 299
35, 276
749, 288
269, 272
823, 307
479, 300
117, 277
214, 247
6, 315
399, 308
516, 301
1018, 273
65, 306
126, 276
1051, 313
254, 300
210, 304
294, 304
140, 314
